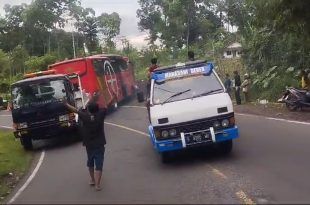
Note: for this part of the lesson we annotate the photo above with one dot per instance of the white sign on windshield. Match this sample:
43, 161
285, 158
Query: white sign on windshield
184, 72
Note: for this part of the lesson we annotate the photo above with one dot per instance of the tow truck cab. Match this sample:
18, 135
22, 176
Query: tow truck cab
189, 107
37, 108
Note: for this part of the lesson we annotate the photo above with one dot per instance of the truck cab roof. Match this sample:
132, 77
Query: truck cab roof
44, 77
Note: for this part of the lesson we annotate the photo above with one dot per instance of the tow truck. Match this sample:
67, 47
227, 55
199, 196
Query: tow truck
37, 108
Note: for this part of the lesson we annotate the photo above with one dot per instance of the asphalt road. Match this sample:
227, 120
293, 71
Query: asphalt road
269, 164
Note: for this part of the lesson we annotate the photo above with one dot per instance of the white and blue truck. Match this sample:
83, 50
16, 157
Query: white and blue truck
189, 107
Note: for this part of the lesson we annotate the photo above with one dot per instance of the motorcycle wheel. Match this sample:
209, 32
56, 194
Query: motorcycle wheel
291, 106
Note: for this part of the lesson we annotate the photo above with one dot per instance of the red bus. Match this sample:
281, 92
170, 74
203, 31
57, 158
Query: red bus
124, 72
109, 75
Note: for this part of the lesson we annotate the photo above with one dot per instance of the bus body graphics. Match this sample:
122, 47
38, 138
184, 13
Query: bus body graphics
100, 74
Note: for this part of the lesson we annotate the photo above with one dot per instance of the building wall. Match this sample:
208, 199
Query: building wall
236, 53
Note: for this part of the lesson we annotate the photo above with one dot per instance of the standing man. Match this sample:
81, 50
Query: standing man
191, 56
227, 84
246, 87
237, 87
94, 140
151, 69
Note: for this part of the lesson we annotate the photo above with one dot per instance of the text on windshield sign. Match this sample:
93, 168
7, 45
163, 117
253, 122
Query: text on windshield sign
205, 70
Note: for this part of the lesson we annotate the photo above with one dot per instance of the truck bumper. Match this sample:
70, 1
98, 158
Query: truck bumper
176, 144
46, 132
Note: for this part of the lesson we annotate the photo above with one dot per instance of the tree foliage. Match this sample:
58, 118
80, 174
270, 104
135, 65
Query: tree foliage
109, 26
34, 35
180, 22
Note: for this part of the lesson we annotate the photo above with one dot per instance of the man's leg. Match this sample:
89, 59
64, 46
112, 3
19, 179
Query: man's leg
99, 158
237, 95
98, 175
90, 165
92, 176
247, 98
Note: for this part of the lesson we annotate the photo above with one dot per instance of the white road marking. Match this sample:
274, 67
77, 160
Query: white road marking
127, 128
247, 115
142, 107
245, 199
290, 121
31, 177
276, 119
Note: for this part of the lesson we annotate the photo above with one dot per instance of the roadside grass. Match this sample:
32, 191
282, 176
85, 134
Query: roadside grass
14, 162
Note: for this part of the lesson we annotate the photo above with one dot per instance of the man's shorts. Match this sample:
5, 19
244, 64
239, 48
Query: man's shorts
95, 158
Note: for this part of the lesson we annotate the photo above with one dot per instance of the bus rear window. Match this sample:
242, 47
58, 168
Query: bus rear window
118, 64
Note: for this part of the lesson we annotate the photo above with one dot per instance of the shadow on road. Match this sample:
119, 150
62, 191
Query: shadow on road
62, 141
199, 155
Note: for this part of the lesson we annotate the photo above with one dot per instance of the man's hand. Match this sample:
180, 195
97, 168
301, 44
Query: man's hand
68, 106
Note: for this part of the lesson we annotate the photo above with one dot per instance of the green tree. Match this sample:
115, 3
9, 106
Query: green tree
18, 57
87, 24
109, 26
4, 65
179, 23
40, 63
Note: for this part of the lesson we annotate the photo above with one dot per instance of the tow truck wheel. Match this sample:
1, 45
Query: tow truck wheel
27, 143
226, 147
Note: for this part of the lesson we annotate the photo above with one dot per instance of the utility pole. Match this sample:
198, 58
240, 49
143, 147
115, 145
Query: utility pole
73, 45
187, 40
49, 42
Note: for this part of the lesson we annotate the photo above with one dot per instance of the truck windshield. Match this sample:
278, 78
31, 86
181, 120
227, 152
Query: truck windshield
195, 86
38, 93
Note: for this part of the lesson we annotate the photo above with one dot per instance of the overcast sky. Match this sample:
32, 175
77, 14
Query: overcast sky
125, 8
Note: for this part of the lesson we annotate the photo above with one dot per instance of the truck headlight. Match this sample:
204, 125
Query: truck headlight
63, 118
172, 132
165, 134
22, 125
225, 123
216, 124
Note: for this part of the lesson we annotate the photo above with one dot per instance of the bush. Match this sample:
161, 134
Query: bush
271, 83
40, 63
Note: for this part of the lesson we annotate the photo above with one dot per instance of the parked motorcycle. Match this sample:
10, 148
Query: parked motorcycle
295, 98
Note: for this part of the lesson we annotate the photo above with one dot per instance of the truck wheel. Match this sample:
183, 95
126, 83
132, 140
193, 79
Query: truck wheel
166, 157
114, 106
140, 96
27, 143
226, 147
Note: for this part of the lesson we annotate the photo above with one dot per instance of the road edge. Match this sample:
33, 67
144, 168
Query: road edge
27, 178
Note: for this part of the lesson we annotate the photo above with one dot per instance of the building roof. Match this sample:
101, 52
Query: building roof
235, 45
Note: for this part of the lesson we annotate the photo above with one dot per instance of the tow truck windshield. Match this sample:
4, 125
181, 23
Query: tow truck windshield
195, 86
38, 93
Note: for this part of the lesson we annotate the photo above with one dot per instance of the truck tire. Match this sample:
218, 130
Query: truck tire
140, 96
27, 143
226, 147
